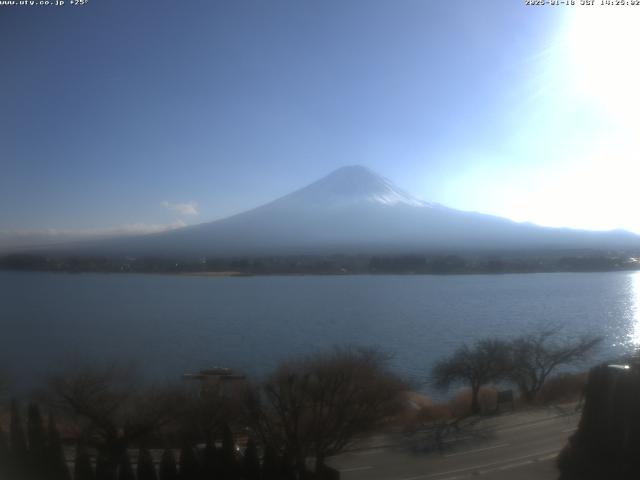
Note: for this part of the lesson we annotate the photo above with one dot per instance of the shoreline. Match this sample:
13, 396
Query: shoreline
232, 273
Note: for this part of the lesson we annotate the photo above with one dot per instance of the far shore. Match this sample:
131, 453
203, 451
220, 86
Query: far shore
232, 273
213, 274
481, 263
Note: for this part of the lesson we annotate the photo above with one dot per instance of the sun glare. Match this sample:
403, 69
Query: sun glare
634, 334
603, 60
590, 91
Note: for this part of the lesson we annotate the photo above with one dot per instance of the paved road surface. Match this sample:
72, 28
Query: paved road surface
519, 446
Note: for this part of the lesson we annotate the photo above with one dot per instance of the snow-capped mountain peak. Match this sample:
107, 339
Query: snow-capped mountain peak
353, 185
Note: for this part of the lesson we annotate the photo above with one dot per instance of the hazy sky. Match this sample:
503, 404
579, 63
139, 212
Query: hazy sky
136, 115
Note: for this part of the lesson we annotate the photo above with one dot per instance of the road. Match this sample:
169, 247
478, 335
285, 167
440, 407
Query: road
519, 446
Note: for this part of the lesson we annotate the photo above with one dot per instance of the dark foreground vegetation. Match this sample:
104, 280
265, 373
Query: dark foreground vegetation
582, 261
607, 442
221, 428
106, 423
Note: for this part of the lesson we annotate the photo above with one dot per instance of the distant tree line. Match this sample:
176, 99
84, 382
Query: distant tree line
331, 264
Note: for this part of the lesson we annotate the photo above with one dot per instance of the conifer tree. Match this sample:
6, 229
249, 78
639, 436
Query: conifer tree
83, 469
17, 441
5, 455
57, 464
188, 464
251, 462
287, 471
270, 469
37, 440
210, 465
146, 468
125, 470
104, 468
168, 469
229, 463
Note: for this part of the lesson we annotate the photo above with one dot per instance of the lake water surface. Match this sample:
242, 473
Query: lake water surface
173, 324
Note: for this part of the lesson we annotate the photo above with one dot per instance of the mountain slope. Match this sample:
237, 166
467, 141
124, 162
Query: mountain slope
353, 210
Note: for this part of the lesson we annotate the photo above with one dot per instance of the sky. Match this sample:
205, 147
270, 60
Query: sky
125, 117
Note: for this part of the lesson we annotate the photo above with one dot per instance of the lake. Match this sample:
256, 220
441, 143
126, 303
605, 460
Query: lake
169, 325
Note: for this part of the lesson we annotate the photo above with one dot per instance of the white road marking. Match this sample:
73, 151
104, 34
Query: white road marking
501, 465
548, 457
478, 450
356, 469
368, 452
459, 439
521, 464
508, 467
533, 424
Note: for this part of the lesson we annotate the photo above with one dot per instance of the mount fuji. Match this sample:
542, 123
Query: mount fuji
354, 210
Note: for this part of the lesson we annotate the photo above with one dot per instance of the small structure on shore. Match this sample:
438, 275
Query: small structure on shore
223, 381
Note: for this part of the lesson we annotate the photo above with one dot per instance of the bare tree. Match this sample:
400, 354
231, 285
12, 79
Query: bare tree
111, 408
486, 361
316, 406
536, 355
206, 410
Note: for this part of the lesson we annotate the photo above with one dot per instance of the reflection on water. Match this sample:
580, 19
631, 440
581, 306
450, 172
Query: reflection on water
634, 294
172, 324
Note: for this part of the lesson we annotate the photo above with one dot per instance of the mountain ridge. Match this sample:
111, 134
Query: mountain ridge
353, 210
